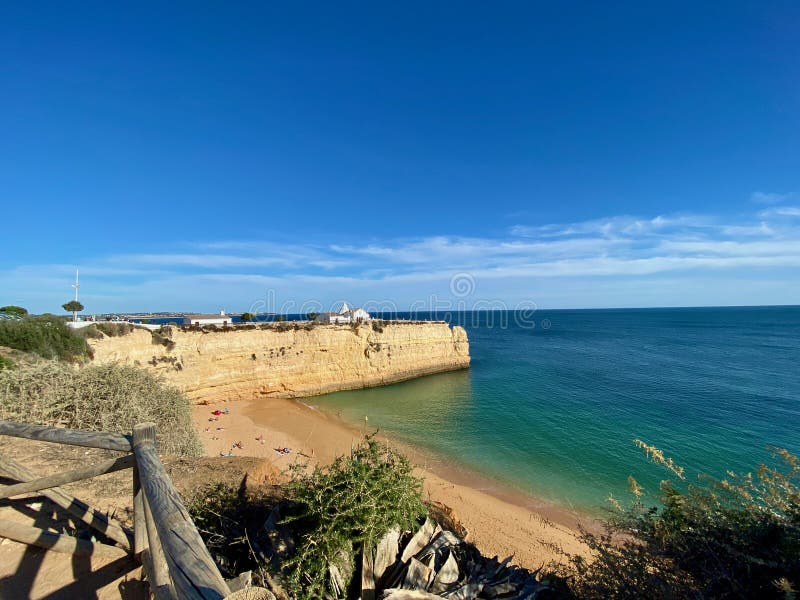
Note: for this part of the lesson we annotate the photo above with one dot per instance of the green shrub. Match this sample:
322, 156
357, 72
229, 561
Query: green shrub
344, 507
163, 336
732, 538
6, 363
16, 311
231, 523
72, 306
47, 336
102, 398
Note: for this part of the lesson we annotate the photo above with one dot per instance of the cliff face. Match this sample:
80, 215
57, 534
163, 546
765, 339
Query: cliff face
282, 361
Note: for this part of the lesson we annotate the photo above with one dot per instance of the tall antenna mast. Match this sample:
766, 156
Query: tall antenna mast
76, 285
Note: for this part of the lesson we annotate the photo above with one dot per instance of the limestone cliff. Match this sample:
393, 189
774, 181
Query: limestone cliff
287, 360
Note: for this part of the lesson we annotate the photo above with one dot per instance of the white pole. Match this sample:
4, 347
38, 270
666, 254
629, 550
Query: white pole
76, 285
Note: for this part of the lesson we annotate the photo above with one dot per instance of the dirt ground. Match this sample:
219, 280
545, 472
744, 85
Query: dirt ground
30, 572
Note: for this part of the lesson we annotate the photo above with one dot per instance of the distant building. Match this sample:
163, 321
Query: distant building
220, 319
345, 315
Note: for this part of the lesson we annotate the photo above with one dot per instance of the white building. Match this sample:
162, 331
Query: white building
345, 315
220, 319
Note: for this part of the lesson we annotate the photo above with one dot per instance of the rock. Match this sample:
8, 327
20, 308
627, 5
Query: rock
367, 575
436, 563
244, 580
398, 594
251, 593
418, 576
290, 361
465, 592
420, 539
446, 576
386, 553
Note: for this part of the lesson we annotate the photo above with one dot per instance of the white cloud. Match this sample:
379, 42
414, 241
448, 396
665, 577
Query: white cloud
626, 251
768, 198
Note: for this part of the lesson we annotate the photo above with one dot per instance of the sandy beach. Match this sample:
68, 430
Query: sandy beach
500, 522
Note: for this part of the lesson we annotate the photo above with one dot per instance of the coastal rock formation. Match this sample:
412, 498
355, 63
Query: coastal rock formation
289, 360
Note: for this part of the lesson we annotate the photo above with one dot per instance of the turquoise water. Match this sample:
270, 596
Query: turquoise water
553, 411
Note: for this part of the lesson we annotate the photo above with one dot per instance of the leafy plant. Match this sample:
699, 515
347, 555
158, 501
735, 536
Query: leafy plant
47, 336
72, 306
347, 506
6, 363
738, 537
16, 311
231, 521
247, 316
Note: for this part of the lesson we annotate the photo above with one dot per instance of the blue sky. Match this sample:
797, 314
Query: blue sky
205, 156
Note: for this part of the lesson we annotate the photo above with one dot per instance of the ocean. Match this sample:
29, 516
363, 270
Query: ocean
554, 399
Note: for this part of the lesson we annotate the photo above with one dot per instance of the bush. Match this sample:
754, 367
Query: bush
89, 333
230, 521
732, 538
345, 507
16, 311
47, 336
72, 306
101, 398
114, 329
163, 336
6, 363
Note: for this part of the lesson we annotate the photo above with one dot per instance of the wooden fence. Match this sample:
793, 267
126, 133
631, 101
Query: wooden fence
164, 539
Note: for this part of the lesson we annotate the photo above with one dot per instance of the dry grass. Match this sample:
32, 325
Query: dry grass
101, 398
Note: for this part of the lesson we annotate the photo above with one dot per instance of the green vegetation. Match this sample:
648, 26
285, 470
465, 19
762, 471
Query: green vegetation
332, 513
732, 538
101, 398
311, 316
47, 336
112, 329
163, 336
6, 363
231, 522
72, 306
345, 507
89, 333
16, 311
247, 316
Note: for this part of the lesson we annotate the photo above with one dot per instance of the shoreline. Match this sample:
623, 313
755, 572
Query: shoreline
448, 469
499, 520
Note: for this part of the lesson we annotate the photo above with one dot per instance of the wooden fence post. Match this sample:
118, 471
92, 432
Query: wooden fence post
140, 543
191, 568
145, 532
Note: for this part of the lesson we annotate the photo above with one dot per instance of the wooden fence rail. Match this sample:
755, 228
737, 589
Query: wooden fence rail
164, 538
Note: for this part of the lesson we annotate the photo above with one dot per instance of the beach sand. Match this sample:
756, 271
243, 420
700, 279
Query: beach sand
498, 521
